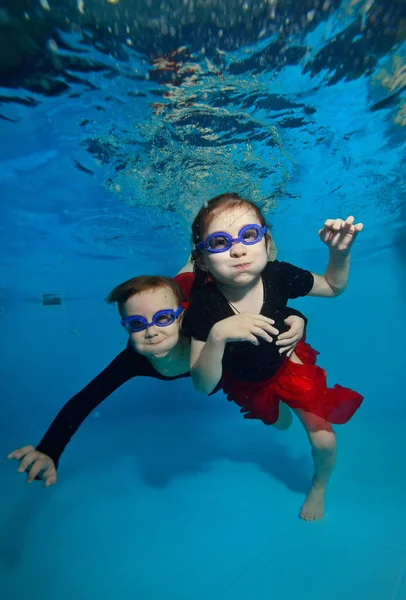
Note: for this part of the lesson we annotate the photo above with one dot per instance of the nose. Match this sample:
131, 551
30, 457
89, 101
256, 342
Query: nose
150, 331
237, 249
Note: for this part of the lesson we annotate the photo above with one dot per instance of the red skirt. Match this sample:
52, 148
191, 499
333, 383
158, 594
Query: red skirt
299, 386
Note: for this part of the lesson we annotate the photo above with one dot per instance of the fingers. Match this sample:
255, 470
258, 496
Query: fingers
50, 477
287, 350
325, 234
27, 461
253, 326
295, 332
287, 336
35, 462
265, 324
340, 235
291, 341
20, 452
337, 225
260, 318
259, 332
35, 470
289, 347
268, 328
349, 224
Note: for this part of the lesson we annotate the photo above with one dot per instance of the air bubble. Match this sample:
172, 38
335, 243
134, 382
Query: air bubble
44, 4
310, 15
52, 45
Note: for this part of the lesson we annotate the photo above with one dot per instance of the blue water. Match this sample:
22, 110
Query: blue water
163, 493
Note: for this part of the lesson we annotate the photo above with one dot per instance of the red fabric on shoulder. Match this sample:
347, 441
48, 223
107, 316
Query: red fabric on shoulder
185, 282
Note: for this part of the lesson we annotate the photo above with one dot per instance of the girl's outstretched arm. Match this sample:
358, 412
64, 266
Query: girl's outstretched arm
338, 235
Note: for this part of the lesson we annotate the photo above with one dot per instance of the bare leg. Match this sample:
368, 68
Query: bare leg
285, 417
323, 441
285, 414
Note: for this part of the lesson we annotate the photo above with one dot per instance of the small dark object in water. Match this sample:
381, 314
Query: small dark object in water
52, 299
82, 168
388, 101
4, 118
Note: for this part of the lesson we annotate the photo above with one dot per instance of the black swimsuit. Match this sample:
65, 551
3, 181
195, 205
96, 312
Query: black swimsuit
243, 360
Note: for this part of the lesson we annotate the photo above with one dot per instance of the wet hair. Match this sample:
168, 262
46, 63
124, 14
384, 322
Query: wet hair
143, 283
211, 209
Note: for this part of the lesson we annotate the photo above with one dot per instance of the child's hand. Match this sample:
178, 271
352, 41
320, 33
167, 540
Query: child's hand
292, 336
36, 464
339, 235
244, 327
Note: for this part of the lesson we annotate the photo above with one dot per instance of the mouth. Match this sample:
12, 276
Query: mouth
241, 266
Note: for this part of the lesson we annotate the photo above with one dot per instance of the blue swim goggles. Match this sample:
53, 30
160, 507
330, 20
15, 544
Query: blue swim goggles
221, 241
162, 318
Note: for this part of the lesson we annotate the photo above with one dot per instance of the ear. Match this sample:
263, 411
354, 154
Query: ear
271, 248
201, 263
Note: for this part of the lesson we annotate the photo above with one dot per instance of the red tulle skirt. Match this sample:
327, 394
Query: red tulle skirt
299, 386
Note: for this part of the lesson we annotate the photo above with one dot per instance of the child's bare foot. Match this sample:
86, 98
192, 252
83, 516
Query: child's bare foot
313, 506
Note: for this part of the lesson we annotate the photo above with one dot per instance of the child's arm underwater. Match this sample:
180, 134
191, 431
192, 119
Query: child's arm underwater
42, 462
339, 236
206, 357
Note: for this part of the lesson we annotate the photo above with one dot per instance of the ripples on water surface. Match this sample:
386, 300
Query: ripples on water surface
165, 104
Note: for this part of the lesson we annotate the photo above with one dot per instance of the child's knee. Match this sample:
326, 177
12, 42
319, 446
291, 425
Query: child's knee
324, 441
